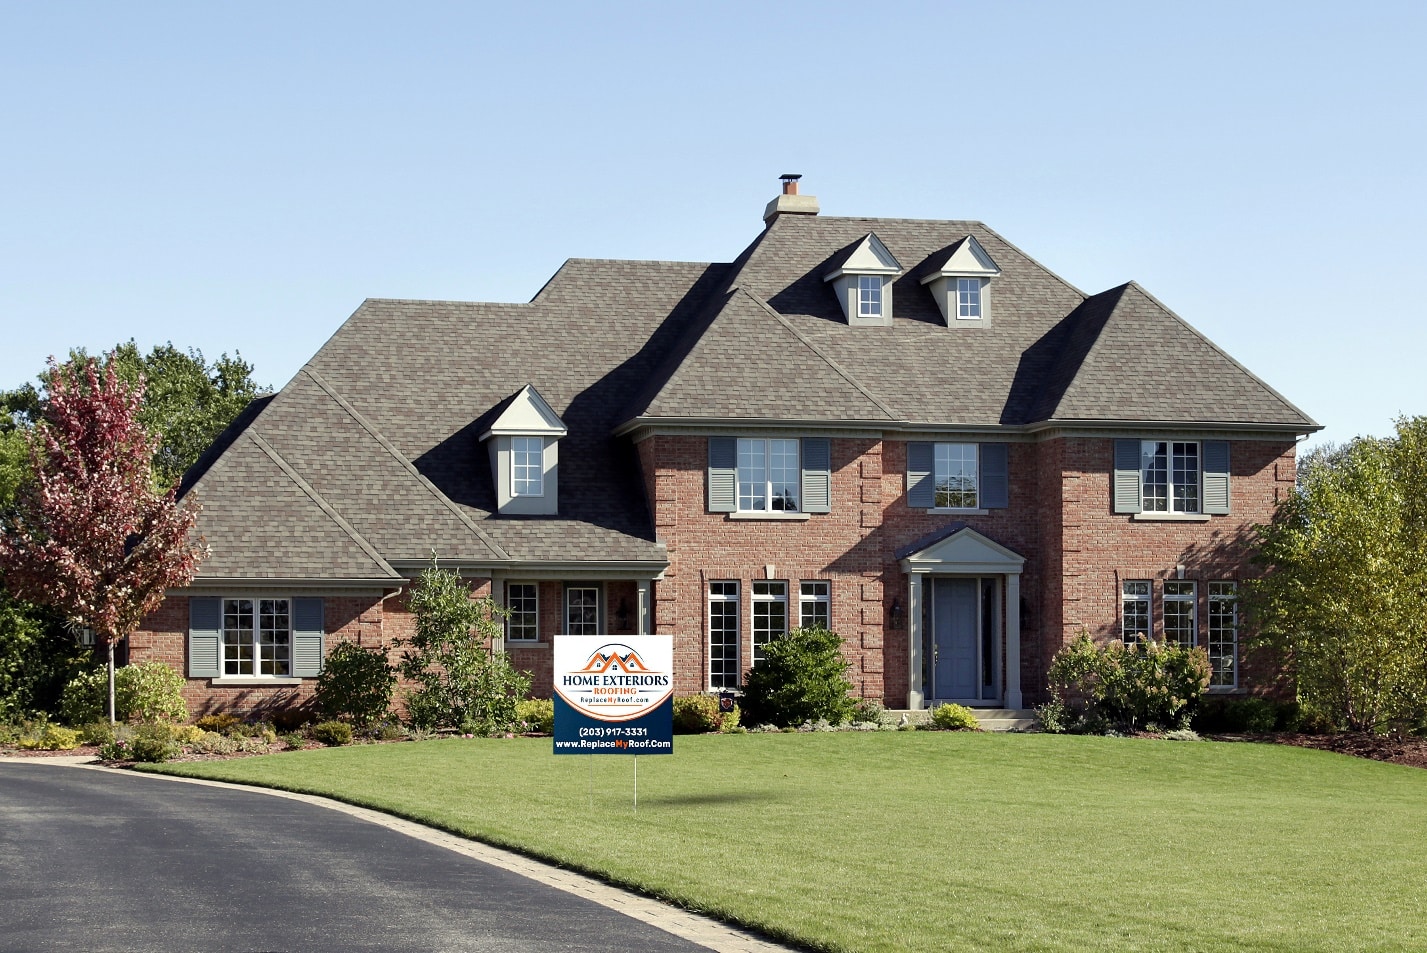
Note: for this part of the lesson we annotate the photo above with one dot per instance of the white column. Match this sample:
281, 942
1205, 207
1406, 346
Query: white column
1013, 640
916, 696
642, 624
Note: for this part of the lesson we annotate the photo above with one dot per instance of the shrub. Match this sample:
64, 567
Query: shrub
149, 691
96, 733
802, 677
295, 740
1182, 734
1146, 685
211, 742
1052, 717
1237, 715
224, 723
867, 711
537, 715
954, 718
356, 685
153, 742
332, 733
49, 737
460, 683
187, 734
701, 714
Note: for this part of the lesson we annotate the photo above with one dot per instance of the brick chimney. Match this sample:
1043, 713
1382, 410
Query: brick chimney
790, 202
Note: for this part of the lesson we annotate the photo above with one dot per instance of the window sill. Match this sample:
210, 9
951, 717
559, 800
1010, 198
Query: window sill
525, 644
1223, 690
250, 680
959, 511
791, 517
1170, 517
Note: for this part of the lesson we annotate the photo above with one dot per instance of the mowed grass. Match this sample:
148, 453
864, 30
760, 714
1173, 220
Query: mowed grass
933, 841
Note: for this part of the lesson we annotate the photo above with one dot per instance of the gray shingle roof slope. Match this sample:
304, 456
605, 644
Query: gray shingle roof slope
428, 375
260, 521
1010, 373
749, 362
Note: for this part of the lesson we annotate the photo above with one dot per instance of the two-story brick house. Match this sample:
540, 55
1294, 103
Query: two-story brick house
908, 431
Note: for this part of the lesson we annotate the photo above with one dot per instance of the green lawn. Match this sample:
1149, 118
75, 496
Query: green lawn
934, 841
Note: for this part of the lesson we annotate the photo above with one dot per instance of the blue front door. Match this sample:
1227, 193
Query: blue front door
964, 644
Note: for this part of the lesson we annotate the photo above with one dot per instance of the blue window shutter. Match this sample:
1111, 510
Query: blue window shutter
723, 474
1216, 476
817, 475
921, 487
1128, 498
307, 638
995, 480
205, 634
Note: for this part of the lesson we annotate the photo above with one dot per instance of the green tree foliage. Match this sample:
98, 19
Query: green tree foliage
151, 691
802, 677
38, 655
1344, 598
460, 683
1146, 686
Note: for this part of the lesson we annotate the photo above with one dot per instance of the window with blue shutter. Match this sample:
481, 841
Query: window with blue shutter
307, 637
995, 476
723, 474
817, 475
1216, 476
921, 488
205, 635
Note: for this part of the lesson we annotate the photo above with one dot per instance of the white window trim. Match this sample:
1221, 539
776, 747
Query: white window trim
1170, 513
257, 678
976, 478
513, 640
980, 284
515, 455
823, 599
723, 597
1191, 599
1146, 599
765, 598
599, 608
868, 283
1210, 632
768, 513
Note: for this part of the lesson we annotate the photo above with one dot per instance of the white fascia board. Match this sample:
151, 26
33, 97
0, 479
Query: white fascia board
529, 415
871, 257
968, 261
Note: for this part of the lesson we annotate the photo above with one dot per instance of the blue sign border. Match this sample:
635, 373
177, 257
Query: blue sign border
578, 733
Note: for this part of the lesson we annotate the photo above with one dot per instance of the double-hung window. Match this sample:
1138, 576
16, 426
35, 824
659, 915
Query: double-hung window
1135, 610
770, 614
1180, 616
582, 610
723, 634
769, 475
1223, 635
522, 600
1171, 479
257, 637
527, 466
956, 475
814, 604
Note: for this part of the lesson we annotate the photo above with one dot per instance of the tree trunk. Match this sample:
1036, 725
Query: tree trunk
112, 719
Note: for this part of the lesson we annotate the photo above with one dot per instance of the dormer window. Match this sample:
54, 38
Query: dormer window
968, 299
861, 276
869, 296
959, 278
525, 456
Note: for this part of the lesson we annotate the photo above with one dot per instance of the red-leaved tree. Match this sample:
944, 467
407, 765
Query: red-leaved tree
88, 534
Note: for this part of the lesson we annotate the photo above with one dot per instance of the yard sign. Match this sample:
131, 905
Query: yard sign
614, 694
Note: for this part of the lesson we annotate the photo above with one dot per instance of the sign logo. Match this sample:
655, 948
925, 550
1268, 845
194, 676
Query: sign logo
614, 696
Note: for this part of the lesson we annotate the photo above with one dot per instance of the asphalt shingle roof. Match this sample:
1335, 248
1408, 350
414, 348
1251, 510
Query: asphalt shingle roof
371, 454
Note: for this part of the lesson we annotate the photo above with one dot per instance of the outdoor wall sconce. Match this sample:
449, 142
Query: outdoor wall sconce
895, 617
621, 615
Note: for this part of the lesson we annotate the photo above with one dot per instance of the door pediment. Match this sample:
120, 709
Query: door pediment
960, 549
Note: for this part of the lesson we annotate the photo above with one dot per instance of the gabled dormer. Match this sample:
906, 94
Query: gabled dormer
862, 277
525, 455
960, 277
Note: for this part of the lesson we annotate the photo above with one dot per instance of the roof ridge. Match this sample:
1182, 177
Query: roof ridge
1218, 350
401, 459
841, 371
321, 502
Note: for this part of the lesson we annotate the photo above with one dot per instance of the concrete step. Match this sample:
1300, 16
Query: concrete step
991, 719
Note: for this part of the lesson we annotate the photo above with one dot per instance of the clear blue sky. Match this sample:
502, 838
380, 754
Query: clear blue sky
239, 176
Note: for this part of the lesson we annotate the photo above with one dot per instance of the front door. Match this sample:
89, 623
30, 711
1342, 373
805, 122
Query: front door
964, 644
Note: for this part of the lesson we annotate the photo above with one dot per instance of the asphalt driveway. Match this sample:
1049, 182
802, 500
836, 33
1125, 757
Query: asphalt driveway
94, 860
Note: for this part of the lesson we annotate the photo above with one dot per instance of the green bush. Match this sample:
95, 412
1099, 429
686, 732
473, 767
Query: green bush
459, 682
149, 691
96, 733
867, 711
356, 685
295, 740
537, 715
38, 657
1146, 686
49, 737
224, 723
332, 733
802, 677
700, 714
951, 717
153, 742
212, 742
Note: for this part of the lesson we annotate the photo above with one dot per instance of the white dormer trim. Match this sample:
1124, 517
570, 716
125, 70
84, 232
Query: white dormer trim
964, 260
870, 259
528, 417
